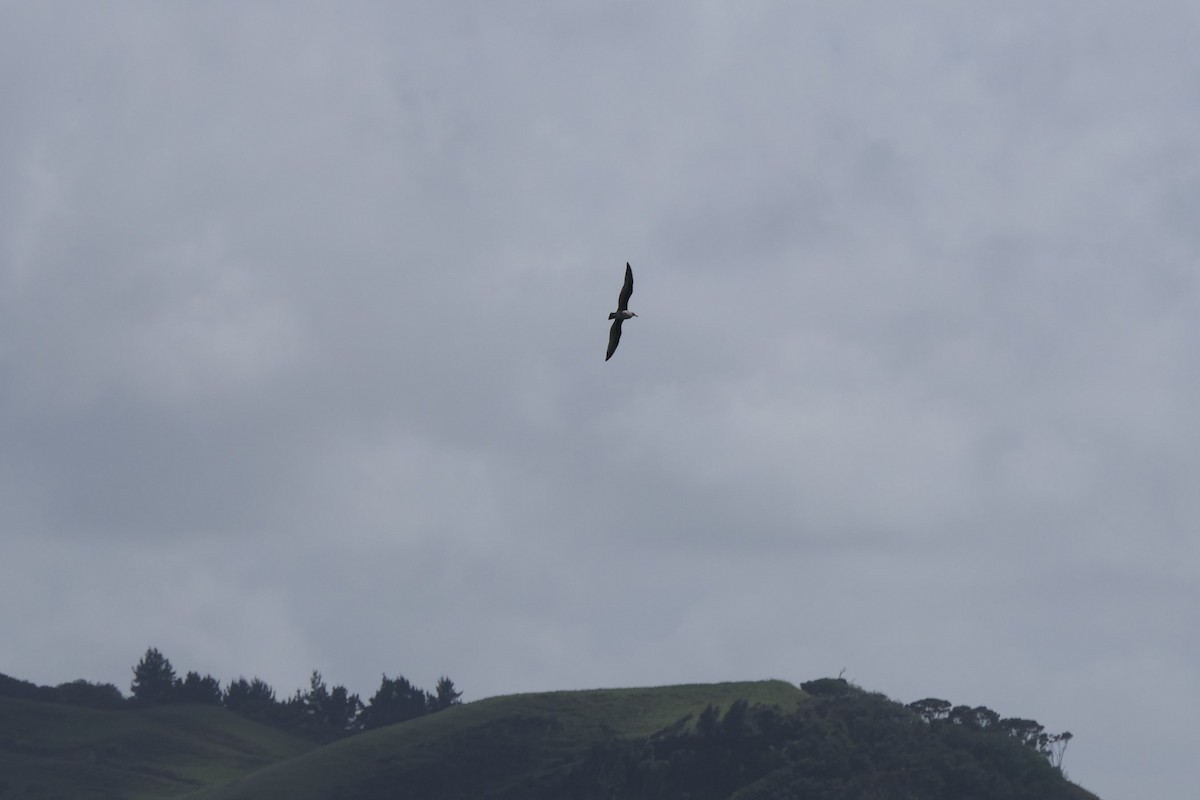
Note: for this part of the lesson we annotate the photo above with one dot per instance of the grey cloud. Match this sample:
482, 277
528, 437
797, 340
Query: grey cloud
301, 322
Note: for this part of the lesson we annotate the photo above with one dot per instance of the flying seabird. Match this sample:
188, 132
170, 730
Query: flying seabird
621, 314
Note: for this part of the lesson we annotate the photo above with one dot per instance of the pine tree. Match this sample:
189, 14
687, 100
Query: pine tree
447, 695
154, 680
254, 699
396, 700
195, 689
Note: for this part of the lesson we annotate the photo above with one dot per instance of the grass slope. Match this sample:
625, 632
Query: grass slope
51, 750
495, 745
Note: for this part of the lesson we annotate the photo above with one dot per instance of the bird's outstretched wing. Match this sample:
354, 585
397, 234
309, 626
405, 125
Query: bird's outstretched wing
626, 290
614, 337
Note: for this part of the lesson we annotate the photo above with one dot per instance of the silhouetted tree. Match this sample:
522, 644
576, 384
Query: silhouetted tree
706, 724
1026, 731
979, 718
333, 710
446, 695
15, 687
96, 695
1057, 747
931, 708
254, 699
733, 724
396, 700
344, 711
316, 699
153, 679
195, 689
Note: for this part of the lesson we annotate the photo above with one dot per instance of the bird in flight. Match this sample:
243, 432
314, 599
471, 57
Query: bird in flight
621, 314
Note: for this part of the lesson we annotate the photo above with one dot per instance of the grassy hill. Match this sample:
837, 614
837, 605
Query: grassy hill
53, 750
666, 742
730, 741
491, 746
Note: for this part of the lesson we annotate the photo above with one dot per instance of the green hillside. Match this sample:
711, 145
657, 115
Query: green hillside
730, 741
490, 746
669, 742
53, 750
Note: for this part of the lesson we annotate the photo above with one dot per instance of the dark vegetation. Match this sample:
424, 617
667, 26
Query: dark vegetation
321, 713
77, 693
826, 740
844, 744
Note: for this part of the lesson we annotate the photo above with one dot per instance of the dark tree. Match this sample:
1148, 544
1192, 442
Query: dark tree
335, 710
1026, 731
195, 689
446, 695
734, 723
978, 718
153, 679
316, 700
15, 687
985, 718
931, 708
396, 700
344, 711
254, 699
96, 695
706, 725
1057, 747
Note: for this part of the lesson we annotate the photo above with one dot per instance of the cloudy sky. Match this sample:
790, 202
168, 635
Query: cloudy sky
303, 319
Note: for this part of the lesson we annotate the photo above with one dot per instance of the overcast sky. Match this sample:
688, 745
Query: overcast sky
303, 319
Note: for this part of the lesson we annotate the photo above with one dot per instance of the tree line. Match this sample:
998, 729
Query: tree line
321, 712
1028, 732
